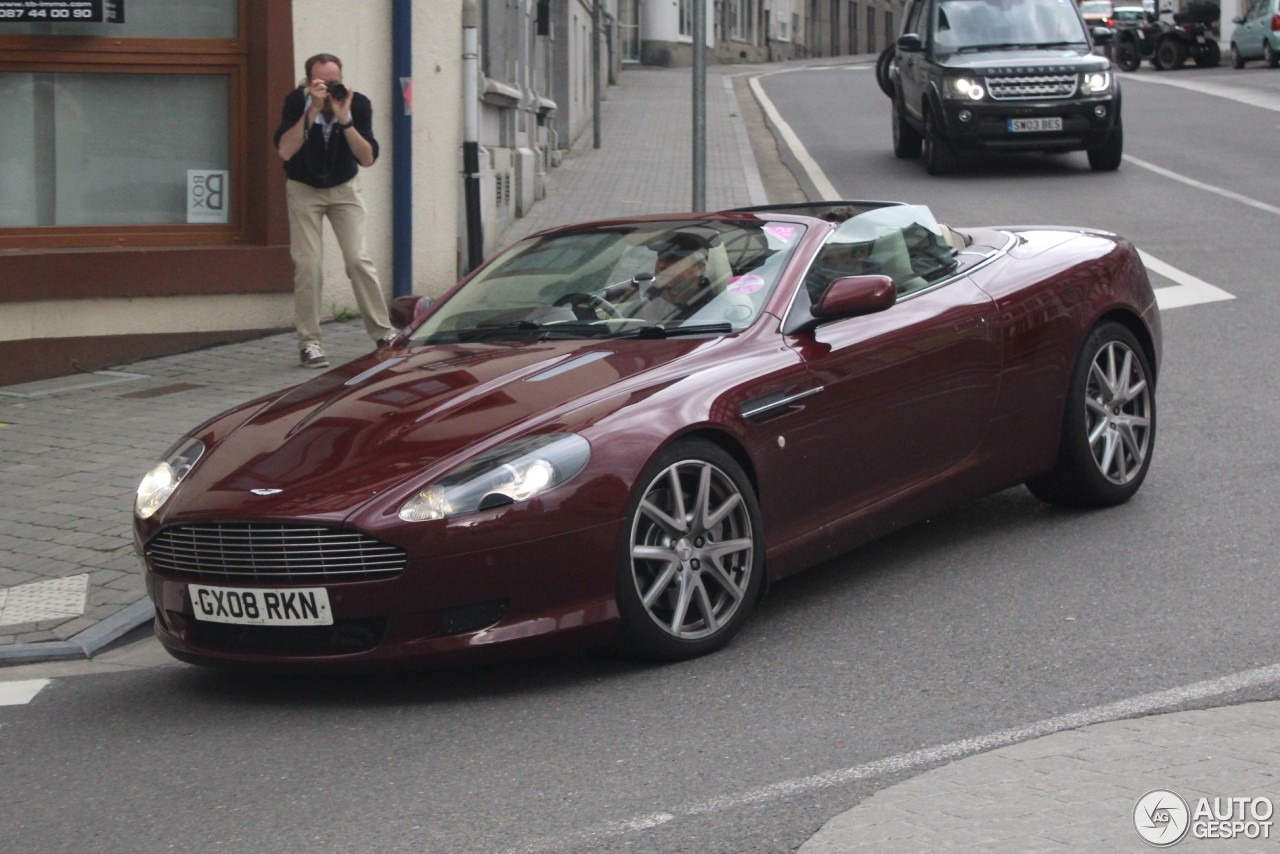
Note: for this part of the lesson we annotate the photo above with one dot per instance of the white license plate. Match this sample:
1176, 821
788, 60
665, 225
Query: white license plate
290, 606
1033, 125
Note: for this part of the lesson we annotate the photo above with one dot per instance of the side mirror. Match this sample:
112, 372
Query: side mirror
1237, 20
852, 296
1102, 35
405, 310
910, 43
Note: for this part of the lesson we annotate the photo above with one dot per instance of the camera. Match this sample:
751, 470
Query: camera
337, 91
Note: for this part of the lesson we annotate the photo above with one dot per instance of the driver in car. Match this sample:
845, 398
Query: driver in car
680, 286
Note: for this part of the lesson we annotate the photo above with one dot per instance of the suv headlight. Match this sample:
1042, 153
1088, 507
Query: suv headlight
159, 483
965, 88
1093, 82
507, 474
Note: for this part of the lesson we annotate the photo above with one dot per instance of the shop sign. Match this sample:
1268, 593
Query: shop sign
207, 195
61, 12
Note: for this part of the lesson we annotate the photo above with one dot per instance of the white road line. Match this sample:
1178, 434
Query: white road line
807, 163
1145, 704
1201, 185
1188, 291
1262, 100
20, 693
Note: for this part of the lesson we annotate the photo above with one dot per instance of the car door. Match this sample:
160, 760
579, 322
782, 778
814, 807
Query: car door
912, 74
905, 396
1256, 24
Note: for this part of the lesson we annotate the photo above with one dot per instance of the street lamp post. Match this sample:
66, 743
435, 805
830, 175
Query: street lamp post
699, 12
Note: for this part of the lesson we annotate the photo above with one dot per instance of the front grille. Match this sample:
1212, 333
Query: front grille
255, 551
1030, 87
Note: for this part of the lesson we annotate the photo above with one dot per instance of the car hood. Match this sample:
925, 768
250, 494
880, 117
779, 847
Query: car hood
1027, 61
326, 447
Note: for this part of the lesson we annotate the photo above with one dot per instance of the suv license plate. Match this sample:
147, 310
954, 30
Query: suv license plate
1033, 125
293, 606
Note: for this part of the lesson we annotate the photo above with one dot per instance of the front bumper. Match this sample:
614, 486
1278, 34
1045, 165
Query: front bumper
513, 600
986, 125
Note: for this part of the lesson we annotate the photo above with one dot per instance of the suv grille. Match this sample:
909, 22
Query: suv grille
1030, 87
253, 551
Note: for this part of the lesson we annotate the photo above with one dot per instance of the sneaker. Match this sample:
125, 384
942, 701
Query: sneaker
385, 342
312, 356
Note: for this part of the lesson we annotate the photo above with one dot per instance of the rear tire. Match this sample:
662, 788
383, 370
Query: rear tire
884, 65
1209, 56
1269, 55
1170, 54
1106, 158
1108, 427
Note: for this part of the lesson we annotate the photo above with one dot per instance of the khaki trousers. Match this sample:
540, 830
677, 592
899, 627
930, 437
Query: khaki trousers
344, 206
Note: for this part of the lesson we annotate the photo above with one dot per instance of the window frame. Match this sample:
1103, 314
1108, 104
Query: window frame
227, 57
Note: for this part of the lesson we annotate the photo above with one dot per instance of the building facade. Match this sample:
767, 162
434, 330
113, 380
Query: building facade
142, 202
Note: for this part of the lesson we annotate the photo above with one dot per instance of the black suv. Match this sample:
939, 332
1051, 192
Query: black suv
972, 76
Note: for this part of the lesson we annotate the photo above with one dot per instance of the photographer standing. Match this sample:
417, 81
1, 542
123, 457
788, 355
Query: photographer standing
325, 136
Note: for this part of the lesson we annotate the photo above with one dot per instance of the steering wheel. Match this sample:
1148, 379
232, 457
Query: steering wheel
587, 306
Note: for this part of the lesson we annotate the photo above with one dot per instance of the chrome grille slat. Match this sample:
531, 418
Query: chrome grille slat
1032, 86
251, 551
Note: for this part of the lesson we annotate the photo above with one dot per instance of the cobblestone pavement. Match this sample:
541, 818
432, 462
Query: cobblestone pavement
73, 449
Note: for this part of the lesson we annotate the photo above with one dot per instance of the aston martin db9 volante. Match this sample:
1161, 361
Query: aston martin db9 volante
620, 433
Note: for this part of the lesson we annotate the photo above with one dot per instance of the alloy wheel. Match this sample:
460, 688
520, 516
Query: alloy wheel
692, 550
1118, 412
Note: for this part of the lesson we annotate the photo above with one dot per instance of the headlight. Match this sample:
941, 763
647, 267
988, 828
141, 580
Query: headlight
159, 483
965, 87
508, 474
1097, 81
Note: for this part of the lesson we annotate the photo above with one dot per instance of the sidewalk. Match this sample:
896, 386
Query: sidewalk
73, 449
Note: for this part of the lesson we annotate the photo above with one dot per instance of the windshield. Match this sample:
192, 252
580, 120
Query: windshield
992, 24
637, 279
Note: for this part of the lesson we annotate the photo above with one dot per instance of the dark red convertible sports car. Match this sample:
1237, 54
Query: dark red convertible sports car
620, 433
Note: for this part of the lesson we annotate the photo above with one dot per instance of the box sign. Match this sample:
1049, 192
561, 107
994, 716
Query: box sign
207, 195
61, 12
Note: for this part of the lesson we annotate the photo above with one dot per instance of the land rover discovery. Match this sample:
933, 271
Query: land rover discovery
981, 76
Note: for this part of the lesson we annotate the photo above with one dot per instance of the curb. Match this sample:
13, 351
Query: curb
84, 645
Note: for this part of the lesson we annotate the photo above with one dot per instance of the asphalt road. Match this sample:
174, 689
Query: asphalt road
992, 617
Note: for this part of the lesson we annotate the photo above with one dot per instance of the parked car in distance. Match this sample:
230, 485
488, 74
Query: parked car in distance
1096, 13
1257, 34
1128, 16
988, 76
622, 432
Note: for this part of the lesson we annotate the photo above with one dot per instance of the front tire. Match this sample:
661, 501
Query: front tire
693, 556
1237, 61
1128, 57
939, 157
1109, 426
906, 139
1107, 157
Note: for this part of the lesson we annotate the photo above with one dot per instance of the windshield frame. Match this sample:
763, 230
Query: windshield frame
957, 26
603, 281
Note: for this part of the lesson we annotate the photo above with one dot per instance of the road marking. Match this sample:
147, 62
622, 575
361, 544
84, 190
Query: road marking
824, 187
1201, 185
20, 693
1146, 704
1188, 291
1263, 100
